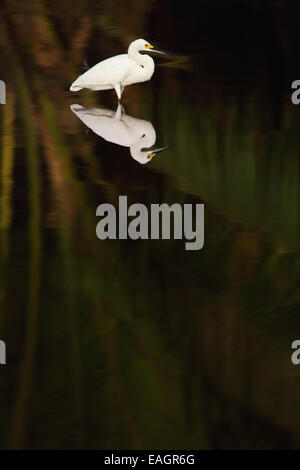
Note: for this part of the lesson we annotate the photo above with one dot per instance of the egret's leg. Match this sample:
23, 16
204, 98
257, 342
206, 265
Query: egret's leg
118, 113
118, 90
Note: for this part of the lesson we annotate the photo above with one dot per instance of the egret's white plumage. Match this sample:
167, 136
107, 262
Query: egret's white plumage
119, 71
122, 129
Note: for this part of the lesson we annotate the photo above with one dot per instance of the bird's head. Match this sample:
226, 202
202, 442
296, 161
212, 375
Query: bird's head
141, 45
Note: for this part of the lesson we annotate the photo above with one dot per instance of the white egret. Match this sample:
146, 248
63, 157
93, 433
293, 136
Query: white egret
120, 70
122, 129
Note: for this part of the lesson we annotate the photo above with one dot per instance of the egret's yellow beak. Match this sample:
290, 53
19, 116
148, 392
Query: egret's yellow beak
149, 46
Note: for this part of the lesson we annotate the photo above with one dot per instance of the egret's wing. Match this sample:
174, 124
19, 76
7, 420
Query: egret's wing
105, 73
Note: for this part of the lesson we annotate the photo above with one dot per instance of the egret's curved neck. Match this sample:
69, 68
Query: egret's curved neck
137, 153
134, 54
133, 51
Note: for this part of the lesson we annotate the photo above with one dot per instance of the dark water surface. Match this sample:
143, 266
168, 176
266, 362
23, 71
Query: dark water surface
141, 344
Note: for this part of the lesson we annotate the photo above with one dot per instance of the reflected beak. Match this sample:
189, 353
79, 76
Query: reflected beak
161, 149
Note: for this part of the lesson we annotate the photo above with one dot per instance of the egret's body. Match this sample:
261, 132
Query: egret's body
119, 71
122, 129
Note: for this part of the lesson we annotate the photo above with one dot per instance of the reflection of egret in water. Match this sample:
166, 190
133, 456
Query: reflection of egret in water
119, 128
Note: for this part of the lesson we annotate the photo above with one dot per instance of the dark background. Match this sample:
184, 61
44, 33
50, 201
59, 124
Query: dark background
141, 344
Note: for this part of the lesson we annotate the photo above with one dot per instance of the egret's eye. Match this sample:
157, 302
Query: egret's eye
148, 46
